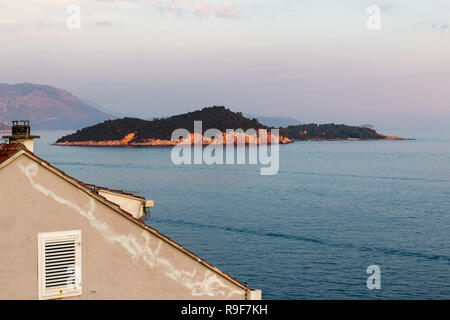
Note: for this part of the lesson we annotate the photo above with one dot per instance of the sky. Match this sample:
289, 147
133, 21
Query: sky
316, 61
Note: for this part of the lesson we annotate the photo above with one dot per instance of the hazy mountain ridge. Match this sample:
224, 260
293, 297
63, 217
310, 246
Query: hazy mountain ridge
276, 122
46, 107
4, 128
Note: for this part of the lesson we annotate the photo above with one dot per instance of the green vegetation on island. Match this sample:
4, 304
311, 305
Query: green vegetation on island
330, 132
217, 117
212, 117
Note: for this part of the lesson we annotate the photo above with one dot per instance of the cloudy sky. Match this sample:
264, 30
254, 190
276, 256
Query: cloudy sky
316, 61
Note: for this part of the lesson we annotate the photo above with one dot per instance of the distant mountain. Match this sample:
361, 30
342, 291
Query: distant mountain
4, 128
368, 125
277, 122
46, 107
4, 125
94, 105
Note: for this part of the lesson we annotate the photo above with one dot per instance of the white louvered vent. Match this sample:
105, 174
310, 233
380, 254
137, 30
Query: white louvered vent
59, 264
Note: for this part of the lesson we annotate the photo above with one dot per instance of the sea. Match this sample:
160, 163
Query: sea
334, 209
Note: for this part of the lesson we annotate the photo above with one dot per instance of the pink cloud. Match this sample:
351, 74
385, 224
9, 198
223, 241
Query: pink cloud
226, 10
200, 8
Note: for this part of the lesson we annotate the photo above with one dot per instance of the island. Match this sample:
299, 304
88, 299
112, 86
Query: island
331, 132
158, 132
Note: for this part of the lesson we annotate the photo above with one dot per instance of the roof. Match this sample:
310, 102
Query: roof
8, 151
125, 193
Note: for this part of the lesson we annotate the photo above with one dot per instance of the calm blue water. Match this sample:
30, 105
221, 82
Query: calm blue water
309, 232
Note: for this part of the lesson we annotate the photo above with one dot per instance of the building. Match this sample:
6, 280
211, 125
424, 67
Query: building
63, 239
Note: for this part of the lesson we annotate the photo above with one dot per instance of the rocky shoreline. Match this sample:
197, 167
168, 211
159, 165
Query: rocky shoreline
386, 138
128, 141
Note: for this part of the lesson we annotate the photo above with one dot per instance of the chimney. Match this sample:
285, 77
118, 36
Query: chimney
20, 132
